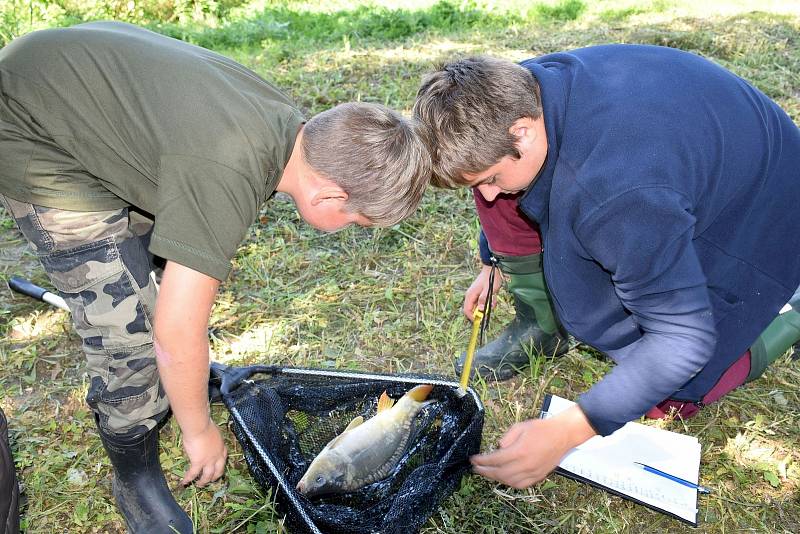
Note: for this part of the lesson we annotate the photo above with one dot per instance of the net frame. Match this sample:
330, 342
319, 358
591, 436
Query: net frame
231, 384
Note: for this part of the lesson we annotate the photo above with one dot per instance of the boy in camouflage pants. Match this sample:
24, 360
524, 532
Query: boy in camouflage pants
104, 122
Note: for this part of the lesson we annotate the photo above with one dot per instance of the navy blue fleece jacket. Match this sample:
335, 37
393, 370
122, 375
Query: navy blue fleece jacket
668, 205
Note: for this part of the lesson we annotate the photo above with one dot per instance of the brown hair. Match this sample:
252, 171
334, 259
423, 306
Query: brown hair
468, 107
374, 154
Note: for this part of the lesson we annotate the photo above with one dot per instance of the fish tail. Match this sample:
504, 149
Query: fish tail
420, 393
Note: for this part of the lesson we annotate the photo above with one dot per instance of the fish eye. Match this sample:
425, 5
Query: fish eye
320, 479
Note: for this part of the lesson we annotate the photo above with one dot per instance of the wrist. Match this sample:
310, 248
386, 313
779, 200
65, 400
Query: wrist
195, 425
575, 426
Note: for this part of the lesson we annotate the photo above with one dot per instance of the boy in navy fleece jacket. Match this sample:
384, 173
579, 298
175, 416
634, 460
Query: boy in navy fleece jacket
663, 186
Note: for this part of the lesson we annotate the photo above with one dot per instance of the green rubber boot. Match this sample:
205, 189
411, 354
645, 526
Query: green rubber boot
534, 326
780, 335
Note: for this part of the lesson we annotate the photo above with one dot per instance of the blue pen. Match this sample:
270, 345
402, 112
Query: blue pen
699, 488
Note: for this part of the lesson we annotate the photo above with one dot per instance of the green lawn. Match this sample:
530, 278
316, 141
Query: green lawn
390, 299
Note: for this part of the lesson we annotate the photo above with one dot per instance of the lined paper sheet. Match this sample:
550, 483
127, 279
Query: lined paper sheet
609, 462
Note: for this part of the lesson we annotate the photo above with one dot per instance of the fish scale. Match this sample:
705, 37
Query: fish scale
366, 451
390, 464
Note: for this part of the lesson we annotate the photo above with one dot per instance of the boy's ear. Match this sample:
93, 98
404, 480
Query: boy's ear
525, 132
521, 127
329, 192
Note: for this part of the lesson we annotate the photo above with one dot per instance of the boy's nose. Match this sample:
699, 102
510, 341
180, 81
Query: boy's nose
489, 191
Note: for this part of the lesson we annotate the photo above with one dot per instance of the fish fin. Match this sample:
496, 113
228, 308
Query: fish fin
420, 393
385, 402
354, 423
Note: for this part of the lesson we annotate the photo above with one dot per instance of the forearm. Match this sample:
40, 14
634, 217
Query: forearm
182, 312
183, 367
679, 340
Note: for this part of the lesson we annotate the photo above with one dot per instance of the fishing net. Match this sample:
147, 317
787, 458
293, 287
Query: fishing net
283, 417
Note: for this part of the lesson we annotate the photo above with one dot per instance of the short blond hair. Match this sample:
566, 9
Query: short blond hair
467, 107
374, 154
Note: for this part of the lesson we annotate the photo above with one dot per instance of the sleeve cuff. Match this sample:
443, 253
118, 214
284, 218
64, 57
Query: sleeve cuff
483, 247
602, 425
190, 257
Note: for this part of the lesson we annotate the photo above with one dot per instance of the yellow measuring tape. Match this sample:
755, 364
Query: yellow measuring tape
477, 316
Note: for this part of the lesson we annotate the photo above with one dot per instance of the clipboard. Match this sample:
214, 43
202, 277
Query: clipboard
607, 463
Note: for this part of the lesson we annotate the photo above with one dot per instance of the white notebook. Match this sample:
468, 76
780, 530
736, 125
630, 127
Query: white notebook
609, 463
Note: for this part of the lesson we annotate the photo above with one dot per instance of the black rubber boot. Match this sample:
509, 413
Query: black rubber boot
9, 488
534, 328
140, 488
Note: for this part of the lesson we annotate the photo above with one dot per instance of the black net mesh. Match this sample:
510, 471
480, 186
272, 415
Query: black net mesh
284, 417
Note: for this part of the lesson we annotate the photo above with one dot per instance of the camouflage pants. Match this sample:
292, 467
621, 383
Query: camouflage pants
99, 263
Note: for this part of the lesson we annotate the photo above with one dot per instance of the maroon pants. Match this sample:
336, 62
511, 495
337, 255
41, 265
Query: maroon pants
510, 233
732, 378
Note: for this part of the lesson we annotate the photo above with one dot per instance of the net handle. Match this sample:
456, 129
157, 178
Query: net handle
224, 378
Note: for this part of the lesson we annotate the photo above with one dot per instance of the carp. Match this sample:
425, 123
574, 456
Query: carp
366, 451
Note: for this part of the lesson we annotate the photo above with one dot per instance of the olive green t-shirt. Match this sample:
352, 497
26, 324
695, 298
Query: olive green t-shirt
105, 115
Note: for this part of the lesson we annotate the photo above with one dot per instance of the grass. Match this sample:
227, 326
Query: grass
389, 299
